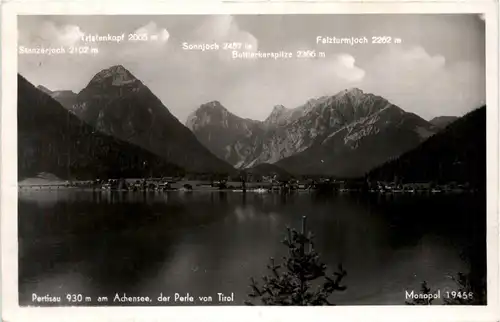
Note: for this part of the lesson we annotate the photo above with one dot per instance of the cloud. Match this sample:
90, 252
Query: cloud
415, 78
423, 83
50, 34
344, 67
154, 47
159, 64
224, 28
151, 29
84, 66
406, 65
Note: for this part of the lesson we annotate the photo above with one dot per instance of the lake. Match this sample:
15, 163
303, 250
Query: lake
98, 244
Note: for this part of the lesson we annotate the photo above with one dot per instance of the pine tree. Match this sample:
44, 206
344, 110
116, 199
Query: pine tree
469, 291
425, 290
290, 282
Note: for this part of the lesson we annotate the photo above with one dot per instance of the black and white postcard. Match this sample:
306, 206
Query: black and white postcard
246, 158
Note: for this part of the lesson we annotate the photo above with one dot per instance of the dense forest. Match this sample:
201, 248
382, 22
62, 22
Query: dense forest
456, 154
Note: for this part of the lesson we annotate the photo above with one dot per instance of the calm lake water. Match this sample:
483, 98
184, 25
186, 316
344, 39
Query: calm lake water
204, 243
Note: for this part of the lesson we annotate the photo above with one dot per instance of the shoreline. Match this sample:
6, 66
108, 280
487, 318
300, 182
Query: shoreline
249, 190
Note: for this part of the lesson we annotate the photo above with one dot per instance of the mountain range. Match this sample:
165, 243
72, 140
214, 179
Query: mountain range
116, 103
52, 140
344, 135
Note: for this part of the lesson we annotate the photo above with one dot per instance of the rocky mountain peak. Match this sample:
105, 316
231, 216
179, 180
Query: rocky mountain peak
212, 105
277, 115
354, 101
116, 75
354, 91
278, 108
214, 109
353, 94
212, 112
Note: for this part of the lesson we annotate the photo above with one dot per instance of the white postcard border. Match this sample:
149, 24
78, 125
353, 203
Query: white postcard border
8, 166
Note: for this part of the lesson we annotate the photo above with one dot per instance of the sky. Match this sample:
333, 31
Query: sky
438, 68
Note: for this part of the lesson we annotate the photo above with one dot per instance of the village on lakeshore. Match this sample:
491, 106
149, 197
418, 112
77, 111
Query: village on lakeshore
259, 184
